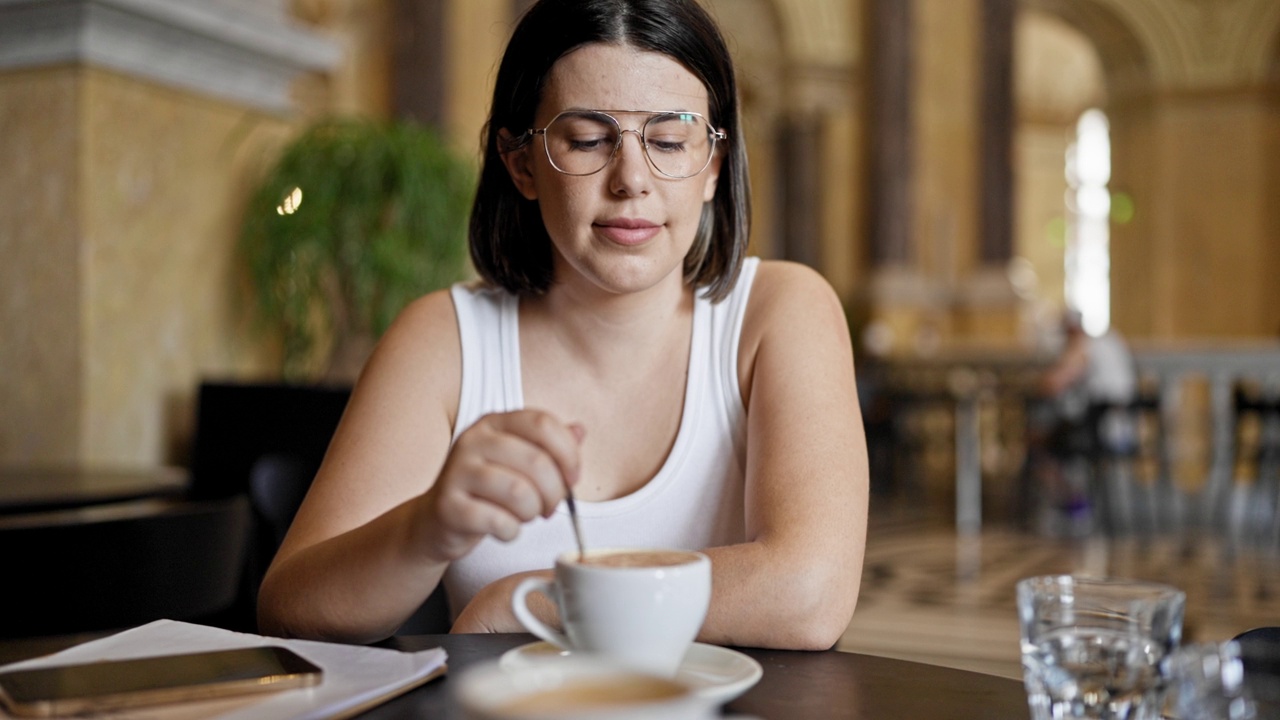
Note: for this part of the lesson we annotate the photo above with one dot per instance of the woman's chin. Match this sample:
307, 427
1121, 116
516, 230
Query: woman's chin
627, 275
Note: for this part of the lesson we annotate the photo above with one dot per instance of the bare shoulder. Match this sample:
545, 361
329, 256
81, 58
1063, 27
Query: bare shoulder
430, 317
793, 316
791, 298
782, 281
418, 360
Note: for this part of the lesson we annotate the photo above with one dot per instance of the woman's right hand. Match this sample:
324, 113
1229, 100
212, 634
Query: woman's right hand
502, 472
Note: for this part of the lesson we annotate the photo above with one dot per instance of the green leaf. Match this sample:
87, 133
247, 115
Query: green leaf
382, 219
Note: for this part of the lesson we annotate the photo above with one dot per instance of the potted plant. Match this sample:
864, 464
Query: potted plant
355, 220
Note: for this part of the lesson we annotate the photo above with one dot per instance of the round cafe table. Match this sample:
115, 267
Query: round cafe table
827, 685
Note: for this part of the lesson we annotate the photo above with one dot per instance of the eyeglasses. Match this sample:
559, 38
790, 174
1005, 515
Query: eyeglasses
678, 144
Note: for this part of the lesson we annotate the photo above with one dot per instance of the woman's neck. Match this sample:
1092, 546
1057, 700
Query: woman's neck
591, 323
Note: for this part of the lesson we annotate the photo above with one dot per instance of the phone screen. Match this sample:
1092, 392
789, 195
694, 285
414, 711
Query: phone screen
121, 683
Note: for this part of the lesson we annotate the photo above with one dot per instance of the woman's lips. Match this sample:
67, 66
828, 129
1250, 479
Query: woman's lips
626, 231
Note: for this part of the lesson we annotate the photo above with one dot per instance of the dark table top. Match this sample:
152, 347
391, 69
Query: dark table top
796, 685
27, 490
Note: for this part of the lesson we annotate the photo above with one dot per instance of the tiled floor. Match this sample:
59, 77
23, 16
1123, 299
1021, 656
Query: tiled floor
928, 594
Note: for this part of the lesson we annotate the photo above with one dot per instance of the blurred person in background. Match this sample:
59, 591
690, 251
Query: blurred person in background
1089, 374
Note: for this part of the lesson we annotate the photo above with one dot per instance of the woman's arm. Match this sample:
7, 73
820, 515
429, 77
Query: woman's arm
393, 504
794, 583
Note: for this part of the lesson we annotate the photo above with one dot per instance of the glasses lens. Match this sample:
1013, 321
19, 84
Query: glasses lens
679, 143
581, 143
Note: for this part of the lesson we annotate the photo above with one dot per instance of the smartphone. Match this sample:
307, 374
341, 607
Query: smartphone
117, 684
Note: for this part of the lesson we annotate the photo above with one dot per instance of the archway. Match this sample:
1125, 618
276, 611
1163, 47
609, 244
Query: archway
1059, 76
796, 62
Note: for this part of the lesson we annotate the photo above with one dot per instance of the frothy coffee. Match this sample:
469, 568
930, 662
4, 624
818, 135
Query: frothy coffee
596, 693
639, 559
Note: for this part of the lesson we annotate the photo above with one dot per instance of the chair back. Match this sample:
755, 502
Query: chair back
1254, 509
121, 565
238, 424
267, 440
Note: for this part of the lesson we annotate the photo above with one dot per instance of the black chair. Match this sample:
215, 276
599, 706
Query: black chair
276, 433
121, 565
1125, 444
1256, 460
267, 440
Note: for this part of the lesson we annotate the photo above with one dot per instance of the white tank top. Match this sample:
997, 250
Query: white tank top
694, 501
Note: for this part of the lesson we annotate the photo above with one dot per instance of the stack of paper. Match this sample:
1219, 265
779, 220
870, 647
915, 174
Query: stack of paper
355, 677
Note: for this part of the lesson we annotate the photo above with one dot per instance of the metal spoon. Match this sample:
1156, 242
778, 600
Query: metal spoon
577, 527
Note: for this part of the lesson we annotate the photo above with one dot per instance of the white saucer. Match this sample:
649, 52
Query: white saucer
714, 672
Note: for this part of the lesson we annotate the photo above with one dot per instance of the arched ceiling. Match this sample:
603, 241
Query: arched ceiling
820, 32
1058, 72
794, 53
1178, 44
1123, 53
811, 32
752, 31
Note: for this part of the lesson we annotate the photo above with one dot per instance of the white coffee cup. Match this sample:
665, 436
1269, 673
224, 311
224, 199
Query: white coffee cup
575, 688
641, 608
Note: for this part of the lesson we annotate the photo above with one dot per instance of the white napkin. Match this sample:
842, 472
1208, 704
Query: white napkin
355, 677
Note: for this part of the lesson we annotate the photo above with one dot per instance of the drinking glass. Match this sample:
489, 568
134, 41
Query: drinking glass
1207, 682
1097, 647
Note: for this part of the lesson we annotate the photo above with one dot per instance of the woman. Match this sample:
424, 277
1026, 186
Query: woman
619, 345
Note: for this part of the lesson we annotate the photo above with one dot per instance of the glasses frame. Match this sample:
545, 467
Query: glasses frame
714, 134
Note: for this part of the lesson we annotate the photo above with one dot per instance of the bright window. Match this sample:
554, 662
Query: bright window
1088, 254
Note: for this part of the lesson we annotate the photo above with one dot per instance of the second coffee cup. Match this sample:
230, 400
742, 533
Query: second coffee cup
641, 608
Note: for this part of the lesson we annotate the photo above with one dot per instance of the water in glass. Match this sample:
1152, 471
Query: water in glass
1096, 648
1103, 674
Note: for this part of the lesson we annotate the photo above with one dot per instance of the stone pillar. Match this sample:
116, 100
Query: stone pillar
940, 175
898, 292
995, 246
816, 143
129, 136
890, 139
418, 61
800, 142
987, 309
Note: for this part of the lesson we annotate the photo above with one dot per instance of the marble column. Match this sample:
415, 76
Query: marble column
995, 246
890, 139
418, 61
800, 141
130, 134
988, 310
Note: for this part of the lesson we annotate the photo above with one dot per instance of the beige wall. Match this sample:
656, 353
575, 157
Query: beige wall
844, 236
1200, 258
478, 32
946, 119
166, 175
122, 285
41, 377
1040, 152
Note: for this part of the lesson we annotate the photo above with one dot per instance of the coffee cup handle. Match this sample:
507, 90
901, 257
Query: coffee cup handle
526, 618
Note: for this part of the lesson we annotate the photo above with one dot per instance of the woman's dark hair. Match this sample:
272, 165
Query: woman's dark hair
509, 243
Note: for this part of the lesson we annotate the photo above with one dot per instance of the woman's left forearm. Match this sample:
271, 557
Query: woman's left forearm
782, 598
